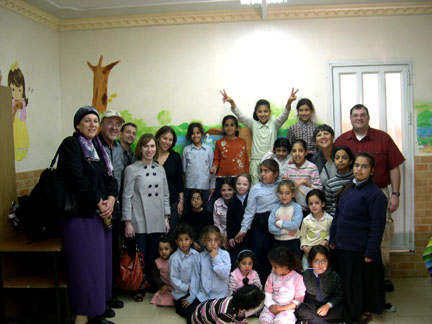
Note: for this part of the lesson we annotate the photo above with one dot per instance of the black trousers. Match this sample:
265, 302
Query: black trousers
308, 312
261, 243
186, 312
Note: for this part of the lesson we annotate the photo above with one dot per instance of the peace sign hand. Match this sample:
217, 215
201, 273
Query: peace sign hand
292, 97
226, 98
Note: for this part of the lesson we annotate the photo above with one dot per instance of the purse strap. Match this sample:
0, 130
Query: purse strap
54, 160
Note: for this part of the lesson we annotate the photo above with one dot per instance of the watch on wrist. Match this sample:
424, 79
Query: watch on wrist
396, 193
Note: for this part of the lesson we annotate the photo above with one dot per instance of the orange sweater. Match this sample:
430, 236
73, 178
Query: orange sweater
230, 157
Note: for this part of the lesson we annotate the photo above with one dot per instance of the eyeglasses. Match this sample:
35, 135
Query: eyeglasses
196, 198
319, 262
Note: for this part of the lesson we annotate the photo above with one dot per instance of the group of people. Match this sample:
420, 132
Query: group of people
225, 235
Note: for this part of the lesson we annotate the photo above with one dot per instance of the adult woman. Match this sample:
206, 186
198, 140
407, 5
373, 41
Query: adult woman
172, 163
85, 166
145, 202
324, 136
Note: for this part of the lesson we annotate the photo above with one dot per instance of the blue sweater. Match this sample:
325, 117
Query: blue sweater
359, 221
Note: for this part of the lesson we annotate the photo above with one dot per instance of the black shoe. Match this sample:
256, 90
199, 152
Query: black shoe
109, 313
115, 303
99, 320
388, 285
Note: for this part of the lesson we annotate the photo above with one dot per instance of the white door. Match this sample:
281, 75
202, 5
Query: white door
385, 89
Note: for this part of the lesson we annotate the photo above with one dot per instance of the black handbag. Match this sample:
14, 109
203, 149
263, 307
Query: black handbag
55, 192
39, 213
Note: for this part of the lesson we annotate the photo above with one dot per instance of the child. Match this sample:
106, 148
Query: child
261, 201
280, 154
230, 155
16, 83
221, 204
229, 309
302, 172
315, 229
356, 232
197, 161
343, 158
284, 288
181, 266
264, 130
196, 215
305, 127
236, 209
163, 297
244, 274
285, 219
211, 268
323, 302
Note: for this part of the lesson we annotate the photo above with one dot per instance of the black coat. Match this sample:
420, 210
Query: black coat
88, 179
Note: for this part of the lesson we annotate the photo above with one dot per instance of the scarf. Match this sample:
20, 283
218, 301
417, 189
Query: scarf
88, 148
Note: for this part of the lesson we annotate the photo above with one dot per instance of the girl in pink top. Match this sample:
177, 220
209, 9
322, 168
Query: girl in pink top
284, 288
163, 297
244, 274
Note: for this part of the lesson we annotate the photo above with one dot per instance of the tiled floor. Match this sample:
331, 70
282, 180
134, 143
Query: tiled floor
412, 297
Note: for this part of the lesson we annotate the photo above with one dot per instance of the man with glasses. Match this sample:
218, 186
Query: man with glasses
109, 131
388, 158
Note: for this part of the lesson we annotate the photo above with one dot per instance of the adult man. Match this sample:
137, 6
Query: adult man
363, 138
109, 131
127, 137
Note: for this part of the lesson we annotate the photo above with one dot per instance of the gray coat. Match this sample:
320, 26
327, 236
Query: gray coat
145, 199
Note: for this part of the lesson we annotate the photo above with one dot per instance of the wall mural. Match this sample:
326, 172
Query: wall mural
424, 126
100, 84
16, 83
212, 132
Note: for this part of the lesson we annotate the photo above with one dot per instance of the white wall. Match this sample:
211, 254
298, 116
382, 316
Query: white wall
181, 68
36, 49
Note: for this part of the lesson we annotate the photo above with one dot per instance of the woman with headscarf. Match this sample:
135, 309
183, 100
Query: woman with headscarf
86, 168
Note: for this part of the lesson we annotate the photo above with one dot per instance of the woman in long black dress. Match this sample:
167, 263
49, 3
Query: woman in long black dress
85, 166
166, 139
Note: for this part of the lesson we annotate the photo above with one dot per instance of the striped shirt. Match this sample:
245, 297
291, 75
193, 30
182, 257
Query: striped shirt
217, 311
308, 171
333, 187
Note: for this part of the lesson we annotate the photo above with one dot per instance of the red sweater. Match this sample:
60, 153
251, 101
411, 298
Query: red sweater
230, 157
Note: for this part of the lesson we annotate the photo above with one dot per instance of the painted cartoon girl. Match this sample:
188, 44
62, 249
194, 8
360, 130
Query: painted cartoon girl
16, 83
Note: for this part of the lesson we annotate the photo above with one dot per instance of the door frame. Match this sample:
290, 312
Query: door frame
408, 136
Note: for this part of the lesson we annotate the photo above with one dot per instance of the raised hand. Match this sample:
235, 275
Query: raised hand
292, 97
226, 98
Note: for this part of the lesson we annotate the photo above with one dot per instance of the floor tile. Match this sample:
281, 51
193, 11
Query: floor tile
412, 297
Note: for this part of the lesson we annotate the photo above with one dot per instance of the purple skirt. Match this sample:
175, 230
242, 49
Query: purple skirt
87, 247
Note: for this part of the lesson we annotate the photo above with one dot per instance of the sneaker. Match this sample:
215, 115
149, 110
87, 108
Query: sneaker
389, 308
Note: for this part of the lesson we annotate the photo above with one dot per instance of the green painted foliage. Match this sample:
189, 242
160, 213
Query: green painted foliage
424, 119
164, 117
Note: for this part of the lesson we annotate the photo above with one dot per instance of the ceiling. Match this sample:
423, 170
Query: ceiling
80, 9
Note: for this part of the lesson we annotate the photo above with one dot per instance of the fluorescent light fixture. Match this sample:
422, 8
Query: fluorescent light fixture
255, 2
